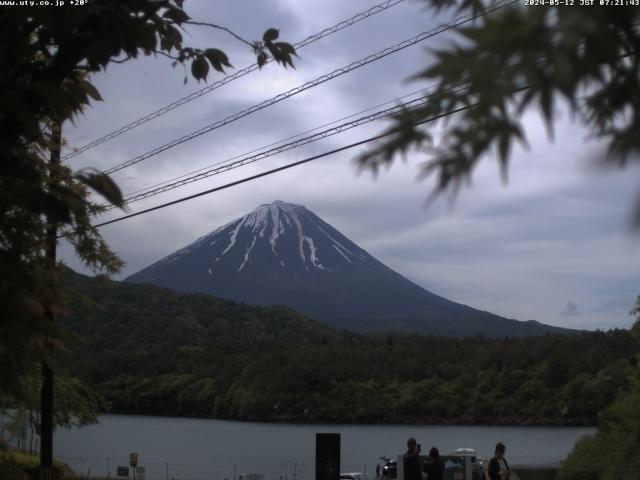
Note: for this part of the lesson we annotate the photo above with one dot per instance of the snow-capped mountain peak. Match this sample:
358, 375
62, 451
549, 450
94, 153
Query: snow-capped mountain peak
273, 228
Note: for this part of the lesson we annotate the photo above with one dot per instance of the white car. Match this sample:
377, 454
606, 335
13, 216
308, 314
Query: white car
477, 463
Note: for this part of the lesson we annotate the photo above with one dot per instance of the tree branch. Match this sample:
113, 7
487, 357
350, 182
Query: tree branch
212, 25
168, 55
122, 60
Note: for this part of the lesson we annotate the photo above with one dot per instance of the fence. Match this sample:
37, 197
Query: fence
159, 470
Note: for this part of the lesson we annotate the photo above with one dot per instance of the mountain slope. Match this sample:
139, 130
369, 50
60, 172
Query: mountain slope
282, 253
118, 317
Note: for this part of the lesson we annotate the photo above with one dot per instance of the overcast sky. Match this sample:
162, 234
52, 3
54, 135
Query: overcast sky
554, 244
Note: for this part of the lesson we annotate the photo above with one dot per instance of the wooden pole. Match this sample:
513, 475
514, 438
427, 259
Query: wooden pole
46, 397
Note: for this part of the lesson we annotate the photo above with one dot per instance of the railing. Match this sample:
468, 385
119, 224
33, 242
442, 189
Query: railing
99, 468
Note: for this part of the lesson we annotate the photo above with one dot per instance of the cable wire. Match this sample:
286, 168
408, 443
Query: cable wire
229, 78
306, 86
272, 171
226, 166
273, 144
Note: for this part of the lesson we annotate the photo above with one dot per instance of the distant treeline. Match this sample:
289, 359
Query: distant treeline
154, 351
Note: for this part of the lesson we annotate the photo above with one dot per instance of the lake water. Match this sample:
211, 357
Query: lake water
198, 449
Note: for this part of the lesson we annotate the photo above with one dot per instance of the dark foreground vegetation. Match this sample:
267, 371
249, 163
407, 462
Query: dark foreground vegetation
612, 453
150, 350
15, 465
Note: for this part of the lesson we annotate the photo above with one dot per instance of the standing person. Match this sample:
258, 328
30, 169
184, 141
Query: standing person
498, 466
434, 467
411, 461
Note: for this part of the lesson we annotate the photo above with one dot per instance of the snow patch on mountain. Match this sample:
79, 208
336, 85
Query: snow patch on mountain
312, 255
234, 235
277, 228
342, 250
246, 254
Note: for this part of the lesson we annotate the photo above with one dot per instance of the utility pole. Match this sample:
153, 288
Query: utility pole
46, 397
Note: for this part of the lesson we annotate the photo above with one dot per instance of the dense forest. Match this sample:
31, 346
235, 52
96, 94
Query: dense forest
150, 350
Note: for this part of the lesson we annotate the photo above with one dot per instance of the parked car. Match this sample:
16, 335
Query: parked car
477, 463
389, 468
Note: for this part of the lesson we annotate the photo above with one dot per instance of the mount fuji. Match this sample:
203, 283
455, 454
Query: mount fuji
281, 253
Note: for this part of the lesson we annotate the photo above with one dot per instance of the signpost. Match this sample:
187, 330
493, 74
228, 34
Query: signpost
133, 461
122, 472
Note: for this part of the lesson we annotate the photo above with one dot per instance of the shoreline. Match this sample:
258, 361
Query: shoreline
353, 423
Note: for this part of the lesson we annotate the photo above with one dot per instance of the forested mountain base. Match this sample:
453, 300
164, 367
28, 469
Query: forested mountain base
154, 351
559, 381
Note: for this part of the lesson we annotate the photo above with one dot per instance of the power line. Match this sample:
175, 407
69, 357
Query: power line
273, 144
275, 170
313, 83
226, 166
229, 78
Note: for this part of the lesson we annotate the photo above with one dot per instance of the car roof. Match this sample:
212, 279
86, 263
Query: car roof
464, 450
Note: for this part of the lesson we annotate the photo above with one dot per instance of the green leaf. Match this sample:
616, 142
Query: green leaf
281, 52
199, 68
91, 90
22, 113
102, 184
217, 58
60, 102
504, 143
546, 106
270, 35
170, 38
286, 48
262, 59
279, 56
70, 197
146, 36
76, 94
177, 15
56, 210
49, 204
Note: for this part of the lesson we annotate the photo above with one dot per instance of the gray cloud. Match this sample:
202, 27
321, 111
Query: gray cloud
570, 310
558, 230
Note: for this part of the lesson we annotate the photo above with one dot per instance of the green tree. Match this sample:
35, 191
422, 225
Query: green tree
612, 453
75, 404
513, 59
47, 57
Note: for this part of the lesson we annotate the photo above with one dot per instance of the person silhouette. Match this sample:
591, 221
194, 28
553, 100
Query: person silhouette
433, 466
411, 461
498, 466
